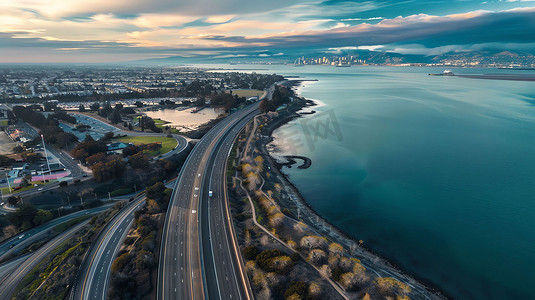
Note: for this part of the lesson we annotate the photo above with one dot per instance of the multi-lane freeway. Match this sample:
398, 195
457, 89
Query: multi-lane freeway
199, 257
26, 238
94, 275
185, 271
224, 269
9, 284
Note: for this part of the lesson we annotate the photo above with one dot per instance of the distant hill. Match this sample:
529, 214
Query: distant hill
504, 58
488, 58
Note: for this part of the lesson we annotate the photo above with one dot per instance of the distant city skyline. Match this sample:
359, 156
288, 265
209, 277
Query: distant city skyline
83, 31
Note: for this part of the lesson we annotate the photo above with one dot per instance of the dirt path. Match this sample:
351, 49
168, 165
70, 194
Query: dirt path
332, 283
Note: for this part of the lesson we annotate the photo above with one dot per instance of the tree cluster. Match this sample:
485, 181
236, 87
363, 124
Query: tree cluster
132, 270
148, 123
280, 96
113, 167
27, 216
88, 148
226, 100
5, 161
52, 133
274, 261
62, 115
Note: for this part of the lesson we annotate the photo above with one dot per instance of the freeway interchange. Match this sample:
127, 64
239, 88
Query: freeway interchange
199, 256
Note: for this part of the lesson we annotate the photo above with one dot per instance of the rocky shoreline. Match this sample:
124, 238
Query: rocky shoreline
295, 202
291, 160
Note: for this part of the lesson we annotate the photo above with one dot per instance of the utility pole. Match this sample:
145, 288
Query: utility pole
46, 155
8, 184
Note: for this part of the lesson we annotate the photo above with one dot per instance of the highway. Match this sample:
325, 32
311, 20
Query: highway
94, 274
8, 267
182, 262
26, 238
9, 284
224, 268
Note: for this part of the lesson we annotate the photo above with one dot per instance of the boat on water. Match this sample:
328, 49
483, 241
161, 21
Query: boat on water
341, 65
445, 73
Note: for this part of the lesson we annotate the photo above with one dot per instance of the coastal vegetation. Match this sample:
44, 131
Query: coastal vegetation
284, 256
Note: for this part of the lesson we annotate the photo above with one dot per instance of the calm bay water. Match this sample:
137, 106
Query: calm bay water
435, 173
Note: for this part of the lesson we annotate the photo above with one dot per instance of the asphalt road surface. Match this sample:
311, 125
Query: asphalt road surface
26, 238
181, 263
224, 269
10, 283
94, 275
8, 267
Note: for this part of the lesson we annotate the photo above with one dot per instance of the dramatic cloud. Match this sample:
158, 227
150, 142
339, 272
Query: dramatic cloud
99, 30
510, 26
62, 8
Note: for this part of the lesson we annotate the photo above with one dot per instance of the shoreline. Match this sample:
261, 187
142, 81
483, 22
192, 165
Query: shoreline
299, 206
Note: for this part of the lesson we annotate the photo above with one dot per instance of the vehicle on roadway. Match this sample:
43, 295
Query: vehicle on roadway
210, 194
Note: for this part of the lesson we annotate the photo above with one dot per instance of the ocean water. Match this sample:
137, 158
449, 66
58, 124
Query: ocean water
435, 173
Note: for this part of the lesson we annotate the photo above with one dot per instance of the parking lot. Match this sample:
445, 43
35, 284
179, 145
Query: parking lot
98, 128
6, 144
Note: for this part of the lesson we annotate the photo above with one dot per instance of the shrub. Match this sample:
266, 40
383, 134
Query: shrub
120, 262
296, 288
388, 286
274, 261
317, 256
250, 252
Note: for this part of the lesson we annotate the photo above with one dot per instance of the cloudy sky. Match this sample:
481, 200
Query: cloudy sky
126, 30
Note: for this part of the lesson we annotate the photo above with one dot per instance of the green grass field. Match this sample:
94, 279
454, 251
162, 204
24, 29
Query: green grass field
160, 121
248, 93
5, 190
168, 144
